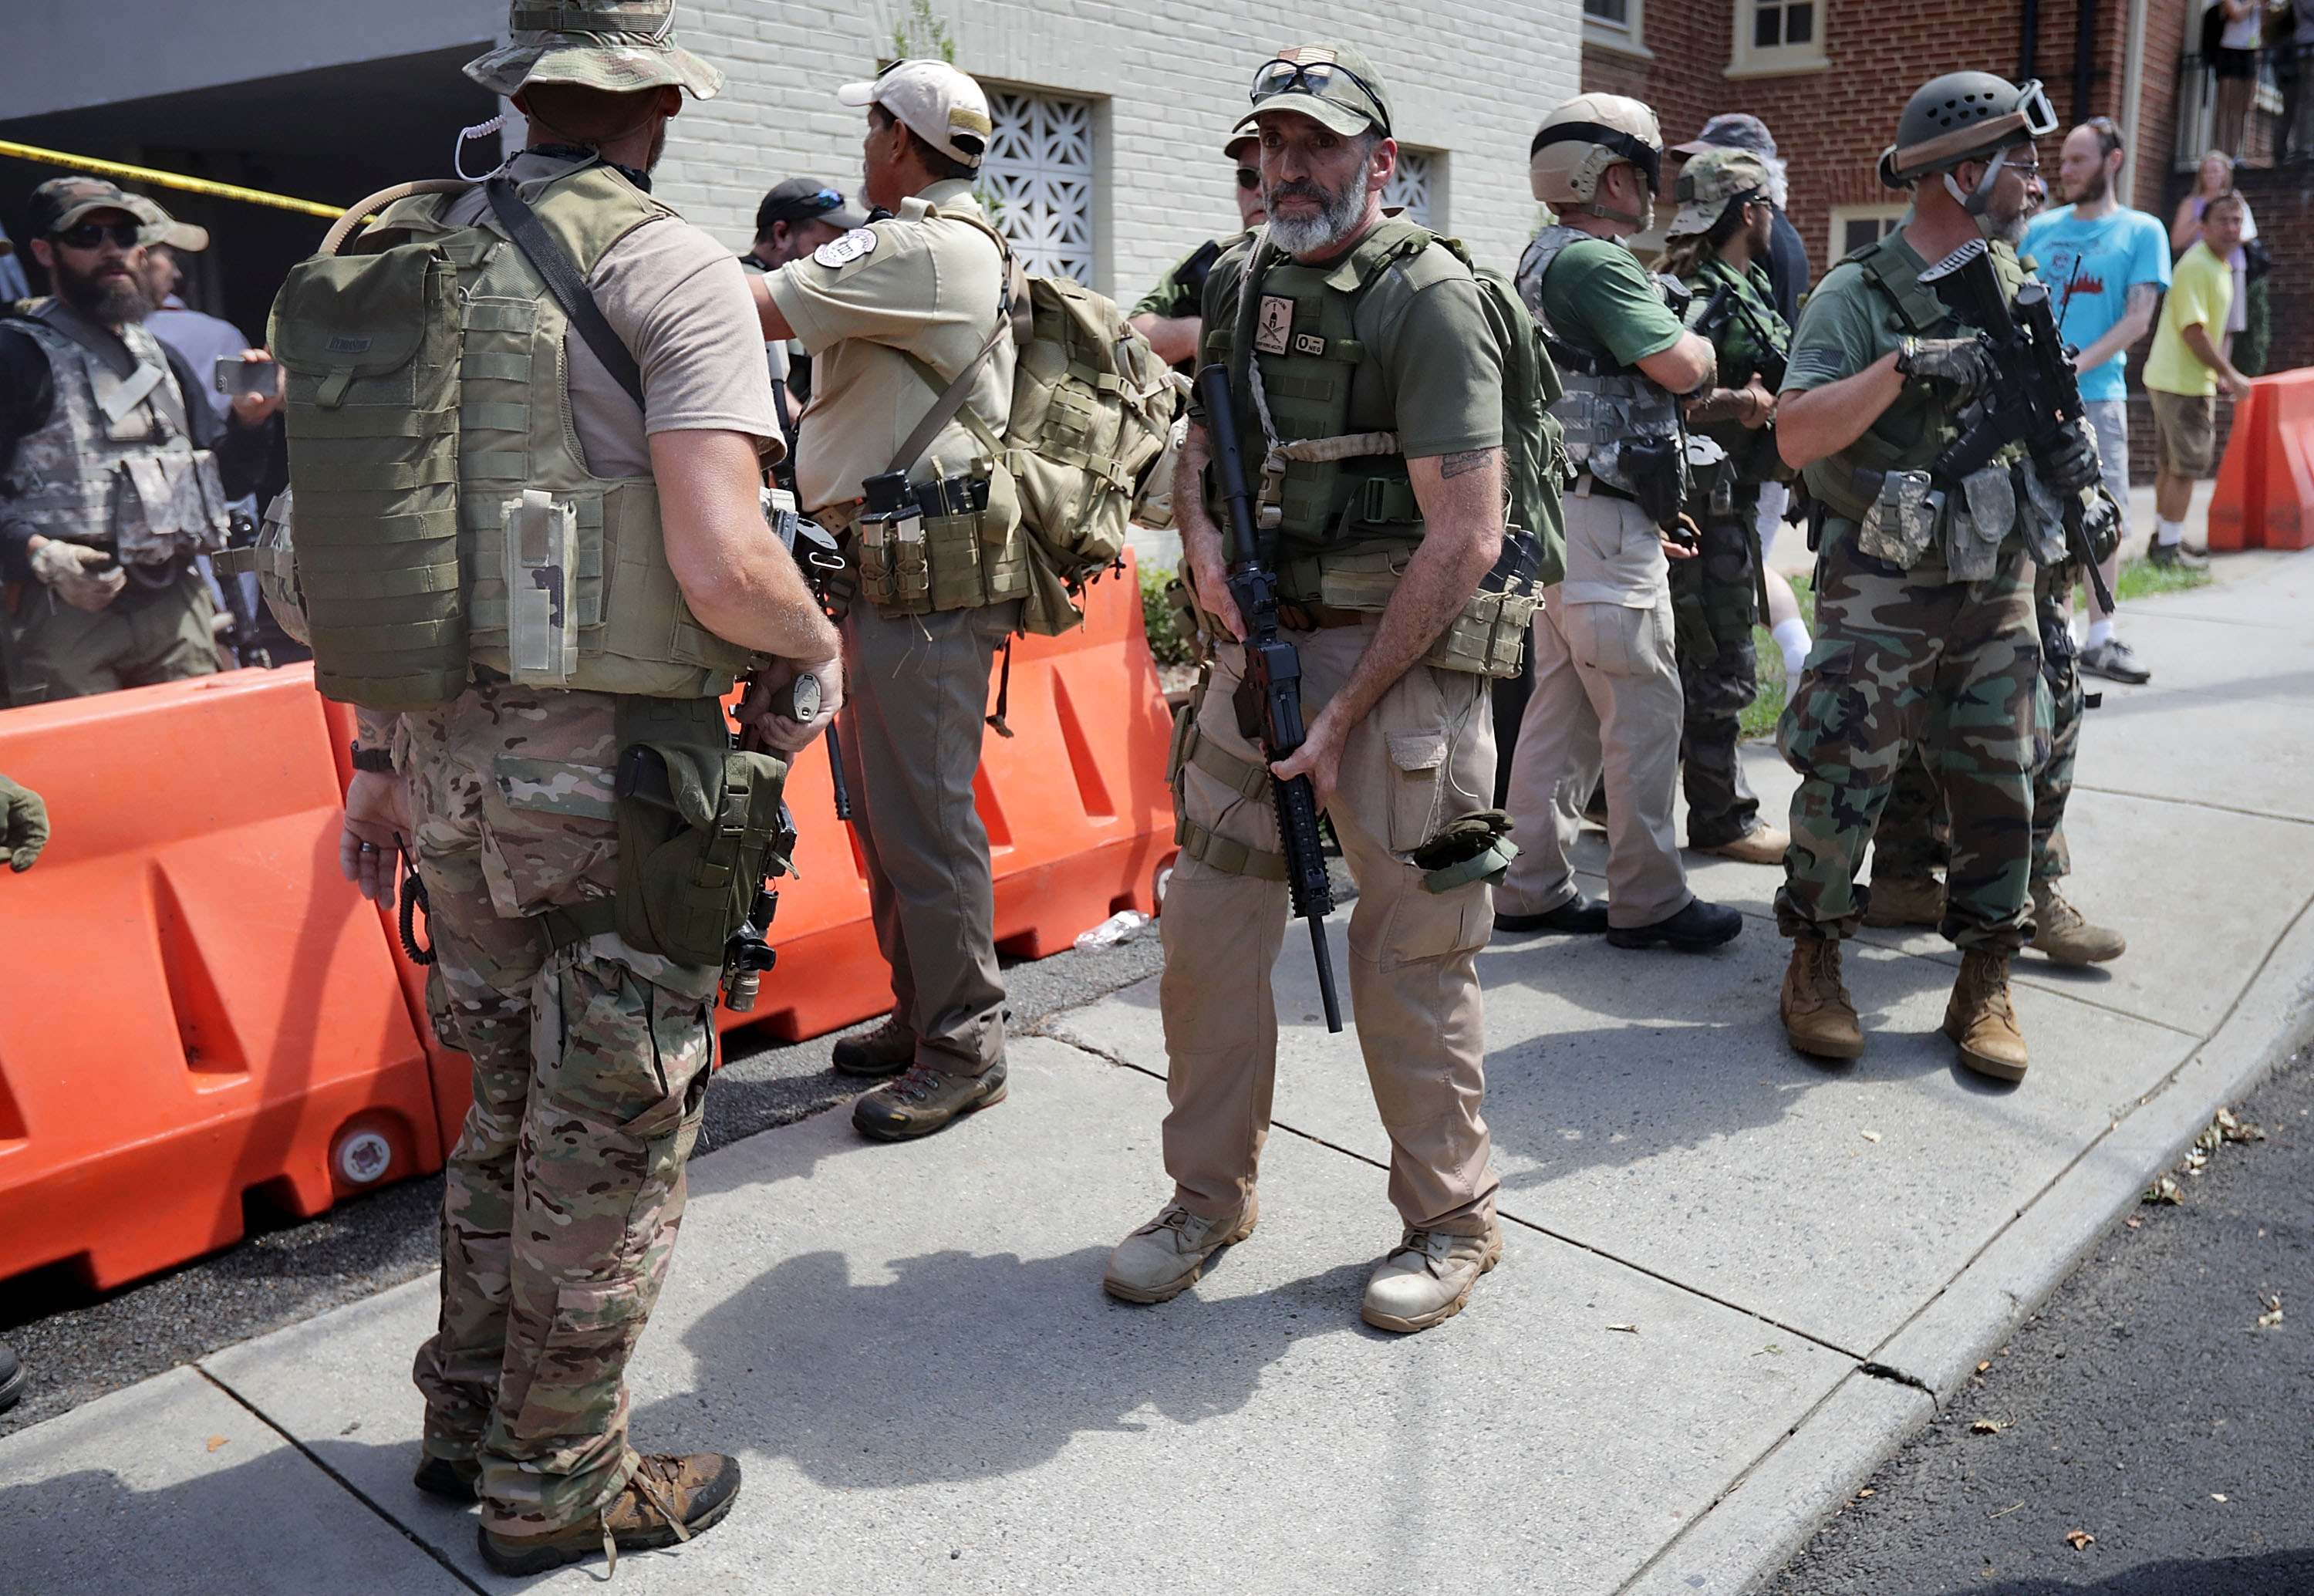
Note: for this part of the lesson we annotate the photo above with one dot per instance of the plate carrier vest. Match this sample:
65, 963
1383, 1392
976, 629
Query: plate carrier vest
1605, 406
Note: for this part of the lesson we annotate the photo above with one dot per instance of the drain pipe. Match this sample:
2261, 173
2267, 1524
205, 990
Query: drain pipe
2132, 90
2029, 45
2084, 59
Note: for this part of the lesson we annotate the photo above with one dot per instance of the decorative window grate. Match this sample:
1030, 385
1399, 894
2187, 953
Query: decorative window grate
1037, 181
1410, 185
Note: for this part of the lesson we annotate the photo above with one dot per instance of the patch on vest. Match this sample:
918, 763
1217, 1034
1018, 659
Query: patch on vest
1308, 343
842, 251
1277, 322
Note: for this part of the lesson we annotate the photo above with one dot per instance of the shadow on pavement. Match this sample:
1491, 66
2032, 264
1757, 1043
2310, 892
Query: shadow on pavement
2272, 1574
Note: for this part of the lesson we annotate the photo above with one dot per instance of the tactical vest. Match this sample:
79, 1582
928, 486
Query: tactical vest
115, 467
561, 577
1606, 407
1752, 458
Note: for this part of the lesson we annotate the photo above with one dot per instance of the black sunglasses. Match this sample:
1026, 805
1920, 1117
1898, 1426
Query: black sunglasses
1248, 178
88, 235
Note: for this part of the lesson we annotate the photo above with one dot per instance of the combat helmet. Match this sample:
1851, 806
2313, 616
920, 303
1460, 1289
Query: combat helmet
1580, 140
1964, 116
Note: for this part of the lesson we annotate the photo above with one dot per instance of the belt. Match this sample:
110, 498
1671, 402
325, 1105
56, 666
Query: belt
1587, 485
1299, 617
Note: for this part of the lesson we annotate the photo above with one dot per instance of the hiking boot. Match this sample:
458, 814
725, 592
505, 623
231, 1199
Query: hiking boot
2176, 557
1578, 916
1979, 1018
460, 1479
888, 1049
2116, 661
1164, 1258
1695, 928
1763, 845
2059, 931
666, 1499
13, 1378
923, 1100
1818, 1016
1425, 1280
1905, 900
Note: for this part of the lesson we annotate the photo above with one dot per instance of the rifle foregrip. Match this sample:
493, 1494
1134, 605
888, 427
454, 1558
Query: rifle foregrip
1306, 881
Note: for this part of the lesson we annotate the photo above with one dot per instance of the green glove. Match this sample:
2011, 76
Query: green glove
23, 824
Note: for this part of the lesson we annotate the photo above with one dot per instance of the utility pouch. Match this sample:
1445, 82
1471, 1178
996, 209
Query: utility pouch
700, 823
2042, 515
954, 515
1975, 528
542, 570
1488, 638
1656, 472
1901, 525
894, 574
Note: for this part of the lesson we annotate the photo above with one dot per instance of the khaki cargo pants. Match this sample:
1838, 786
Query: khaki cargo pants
1425, 756
144, 636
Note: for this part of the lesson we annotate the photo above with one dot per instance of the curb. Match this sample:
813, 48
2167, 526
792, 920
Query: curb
1759, 1523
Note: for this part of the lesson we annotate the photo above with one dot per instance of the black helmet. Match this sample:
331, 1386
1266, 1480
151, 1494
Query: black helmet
1964, 116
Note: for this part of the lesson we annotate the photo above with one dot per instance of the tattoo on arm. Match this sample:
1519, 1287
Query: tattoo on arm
1463, 464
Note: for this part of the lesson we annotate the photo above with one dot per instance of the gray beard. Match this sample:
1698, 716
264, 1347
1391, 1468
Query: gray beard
109, 302
1323, 232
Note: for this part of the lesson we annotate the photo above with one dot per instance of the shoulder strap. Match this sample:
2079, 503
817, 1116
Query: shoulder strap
950, 400
563, 282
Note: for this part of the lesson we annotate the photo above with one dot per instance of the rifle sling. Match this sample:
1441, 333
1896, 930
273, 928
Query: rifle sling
563, 282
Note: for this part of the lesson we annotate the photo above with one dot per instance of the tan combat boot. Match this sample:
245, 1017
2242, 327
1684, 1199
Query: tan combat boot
1763, 845
1164, 1258
1427, 1278
2059, 931
1905, 900
666, 1499
1979, 1018
1818, 1016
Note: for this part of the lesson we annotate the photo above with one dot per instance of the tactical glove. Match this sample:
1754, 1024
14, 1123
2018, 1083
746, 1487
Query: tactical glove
1961, 364
23, 824
71, 568
2069, 462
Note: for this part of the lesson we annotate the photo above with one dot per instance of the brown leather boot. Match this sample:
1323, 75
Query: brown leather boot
666, 1499
1906, 899
1818, 1016
2059, 931
1979, 1018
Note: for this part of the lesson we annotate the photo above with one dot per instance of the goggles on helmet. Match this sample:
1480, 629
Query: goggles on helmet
1629, 147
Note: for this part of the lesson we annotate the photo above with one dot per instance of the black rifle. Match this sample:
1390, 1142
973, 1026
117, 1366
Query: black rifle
1269, 698
2039, 397
1725, 304
819, 562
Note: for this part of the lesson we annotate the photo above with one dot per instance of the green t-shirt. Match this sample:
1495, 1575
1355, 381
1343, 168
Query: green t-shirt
1597, 298
1181, 289
1846, 325
1432, 374
2201, 293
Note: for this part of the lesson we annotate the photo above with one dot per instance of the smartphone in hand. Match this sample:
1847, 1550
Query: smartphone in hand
237, 377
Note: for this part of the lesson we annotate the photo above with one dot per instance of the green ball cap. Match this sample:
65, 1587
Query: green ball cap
1338, 87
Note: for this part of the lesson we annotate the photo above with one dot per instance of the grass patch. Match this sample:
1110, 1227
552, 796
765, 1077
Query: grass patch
1165, 639
2142, 579
1759, 719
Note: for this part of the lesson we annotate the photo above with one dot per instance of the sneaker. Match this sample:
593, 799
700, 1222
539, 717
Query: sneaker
1425, 1280
2116, 661
459, 1479
1763, 845
1699, 927
1578, 916
1166, 1256
2176, 556
888, 1049
924, 1100
666, 1499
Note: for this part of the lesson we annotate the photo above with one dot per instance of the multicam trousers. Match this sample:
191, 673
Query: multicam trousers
566, 1187
1712, 611
1902, 660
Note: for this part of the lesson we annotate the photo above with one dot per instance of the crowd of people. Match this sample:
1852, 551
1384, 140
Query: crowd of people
619, 408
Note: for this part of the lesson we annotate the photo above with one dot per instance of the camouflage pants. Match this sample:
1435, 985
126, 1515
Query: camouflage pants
1897, 662
1712, 606
1915, 839
566, 1187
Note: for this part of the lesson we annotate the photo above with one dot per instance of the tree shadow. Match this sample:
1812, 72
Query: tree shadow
2269, 1573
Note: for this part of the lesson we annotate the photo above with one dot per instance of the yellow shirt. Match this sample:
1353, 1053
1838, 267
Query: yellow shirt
2201, 292
919, 283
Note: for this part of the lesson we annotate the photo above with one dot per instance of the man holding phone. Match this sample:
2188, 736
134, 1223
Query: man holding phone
113, 475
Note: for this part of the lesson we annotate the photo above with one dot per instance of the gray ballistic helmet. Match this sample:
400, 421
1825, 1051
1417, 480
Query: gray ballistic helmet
1964, 116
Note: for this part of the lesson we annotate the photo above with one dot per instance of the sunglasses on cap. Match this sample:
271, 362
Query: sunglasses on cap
1282, 76
814, 203
88, 235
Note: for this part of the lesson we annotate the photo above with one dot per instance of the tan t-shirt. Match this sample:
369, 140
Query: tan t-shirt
679, 301
921, 283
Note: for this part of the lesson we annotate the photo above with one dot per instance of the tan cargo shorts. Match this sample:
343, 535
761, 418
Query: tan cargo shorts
2185, 432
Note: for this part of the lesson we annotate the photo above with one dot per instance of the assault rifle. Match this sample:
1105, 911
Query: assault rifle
1723, 307
819, 562
2039, 396
1269, 698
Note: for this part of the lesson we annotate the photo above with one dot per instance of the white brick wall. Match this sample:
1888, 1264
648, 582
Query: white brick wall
1469, 79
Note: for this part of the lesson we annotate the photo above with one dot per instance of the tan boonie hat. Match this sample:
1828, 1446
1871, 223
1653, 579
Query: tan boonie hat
1709, 183
1326, 81
618, 45
938, 103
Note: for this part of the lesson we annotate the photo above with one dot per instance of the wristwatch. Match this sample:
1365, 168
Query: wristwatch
377, 761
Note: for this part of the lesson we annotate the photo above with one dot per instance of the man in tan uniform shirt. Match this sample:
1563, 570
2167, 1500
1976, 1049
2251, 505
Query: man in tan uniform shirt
928, 286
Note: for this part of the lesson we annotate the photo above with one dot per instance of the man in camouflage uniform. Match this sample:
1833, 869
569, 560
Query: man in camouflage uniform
590, 1055
1716, 245
1171, 315
1925, 634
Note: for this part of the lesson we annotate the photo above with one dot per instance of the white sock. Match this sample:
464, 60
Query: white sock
1792, 637
2099, 630
2170, 533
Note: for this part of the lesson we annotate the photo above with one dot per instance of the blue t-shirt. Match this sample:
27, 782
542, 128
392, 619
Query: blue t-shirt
2090, 267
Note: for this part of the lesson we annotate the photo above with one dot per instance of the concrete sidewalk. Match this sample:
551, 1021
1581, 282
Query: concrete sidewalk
1721, 1302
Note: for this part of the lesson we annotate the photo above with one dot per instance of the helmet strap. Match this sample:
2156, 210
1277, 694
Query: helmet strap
1975, 201
1594, 209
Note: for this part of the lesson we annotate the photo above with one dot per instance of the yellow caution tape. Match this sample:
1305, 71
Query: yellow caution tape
168, 180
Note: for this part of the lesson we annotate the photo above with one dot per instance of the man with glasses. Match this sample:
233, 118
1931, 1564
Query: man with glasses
1168, 314
1925, 634
115, 473
1368, 341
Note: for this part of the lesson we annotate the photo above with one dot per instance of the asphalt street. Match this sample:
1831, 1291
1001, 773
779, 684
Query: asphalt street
2144, 1433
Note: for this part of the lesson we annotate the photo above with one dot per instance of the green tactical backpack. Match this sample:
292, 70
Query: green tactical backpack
1534, 450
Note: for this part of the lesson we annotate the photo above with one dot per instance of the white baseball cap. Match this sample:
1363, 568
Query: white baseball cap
940, 105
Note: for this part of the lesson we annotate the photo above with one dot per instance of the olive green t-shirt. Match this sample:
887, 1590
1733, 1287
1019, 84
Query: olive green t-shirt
1597, 298
1432, 374
1847, 325
1181, 289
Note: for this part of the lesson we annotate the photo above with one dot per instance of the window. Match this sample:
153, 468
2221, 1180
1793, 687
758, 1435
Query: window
1855, 226
1037, 179
1614, 23
1410, 186
1778, 36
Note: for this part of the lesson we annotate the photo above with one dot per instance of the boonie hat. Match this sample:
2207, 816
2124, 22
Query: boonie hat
936, 103
1709, 183
62, 201
805, 199
1329, 82
618, 45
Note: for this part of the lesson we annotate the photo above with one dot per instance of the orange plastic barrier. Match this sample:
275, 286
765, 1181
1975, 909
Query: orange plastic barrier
193, 1003
2265, 497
